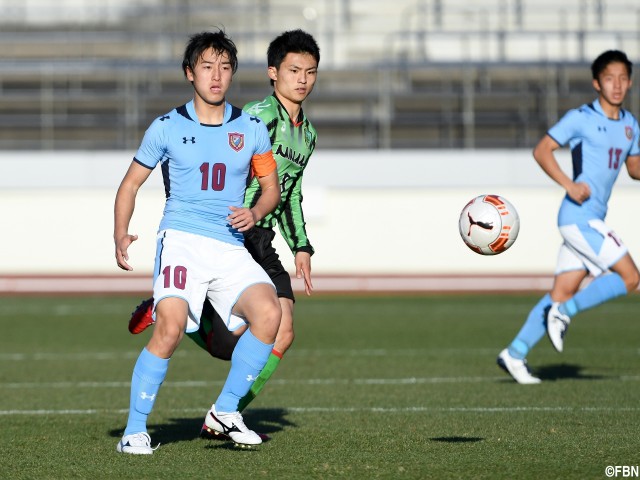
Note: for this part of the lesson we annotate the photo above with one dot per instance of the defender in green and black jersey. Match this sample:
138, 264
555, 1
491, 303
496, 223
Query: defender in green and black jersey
293, 143
293, 65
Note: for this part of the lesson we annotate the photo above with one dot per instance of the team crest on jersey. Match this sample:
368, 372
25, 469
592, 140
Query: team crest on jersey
629, 132
308, 137
236, 141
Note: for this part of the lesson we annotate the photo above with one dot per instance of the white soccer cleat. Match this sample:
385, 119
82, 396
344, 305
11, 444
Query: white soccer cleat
557, 325
136, 443
518, 369
232, 425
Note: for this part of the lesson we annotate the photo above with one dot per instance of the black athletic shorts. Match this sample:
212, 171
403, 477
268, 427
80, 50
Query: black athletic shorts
259, 243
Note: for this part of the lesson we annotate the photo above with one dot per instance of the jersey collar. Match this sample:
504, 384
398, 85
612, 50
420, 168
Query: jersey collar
598, 108
298, 120
191, 110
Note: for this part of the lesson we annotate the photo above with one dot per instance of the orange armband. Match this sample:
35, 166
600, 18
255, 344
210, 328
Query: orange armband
262, 164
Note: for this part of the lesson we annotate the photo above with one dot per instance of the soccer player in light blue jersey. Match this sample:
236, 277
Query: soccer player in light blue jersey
292, 69
207, 150
603, 137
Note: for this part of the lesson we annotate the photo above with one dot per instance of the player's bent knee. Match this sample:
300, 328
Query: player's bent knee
631, 281
272, 316
262, 311
166, 339
267, 322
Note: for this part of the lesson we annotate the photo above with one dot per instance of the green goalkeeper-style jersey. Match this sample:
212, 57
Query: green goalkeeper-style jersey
293, 144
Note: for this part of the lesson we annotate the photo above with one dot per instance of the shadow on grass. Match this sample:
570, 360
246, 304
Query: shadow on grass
455, 439
562, 371
266, 420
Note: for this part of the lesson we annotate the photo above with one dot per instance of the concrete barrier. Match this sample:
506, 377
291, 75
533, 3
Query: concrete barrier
367, 212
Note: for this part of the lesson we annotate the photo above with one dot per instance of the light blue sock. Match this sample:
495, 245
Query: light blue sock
247, 361
600, 290
148, 375
532, 330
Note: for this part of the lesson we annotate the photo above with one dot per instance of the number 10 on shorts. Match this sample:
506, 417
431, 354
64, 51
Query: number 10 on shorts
179, 276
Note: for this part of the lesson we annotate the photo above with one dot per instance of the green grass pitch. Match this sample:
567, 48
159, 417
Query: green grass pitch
398, 387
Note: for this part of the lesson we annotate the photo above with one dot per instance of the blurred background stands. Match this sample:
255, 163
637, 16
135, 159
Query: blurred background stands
88, 74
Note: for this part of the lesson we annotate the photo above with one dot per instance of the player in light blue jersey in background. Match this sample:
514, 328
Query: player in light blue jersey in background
207, 150
603, 137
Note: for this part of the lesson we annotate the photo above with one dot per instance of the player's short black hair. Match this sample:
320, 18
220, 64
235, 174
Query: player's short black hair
605, 58
200, 42
292, 41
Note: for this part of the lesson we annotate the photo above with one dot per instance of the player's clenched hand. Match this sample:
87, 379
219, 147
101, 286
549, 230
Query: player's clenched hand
303, 270
241, 219
579, 192
122, 245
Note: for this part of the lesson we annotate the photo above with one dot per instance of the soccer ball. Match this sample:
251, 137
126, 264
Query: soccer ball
489, 224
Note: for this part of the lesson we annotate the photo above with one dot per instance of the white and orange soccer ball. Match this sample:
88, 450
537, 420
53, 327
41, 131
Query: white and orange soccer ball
489, 224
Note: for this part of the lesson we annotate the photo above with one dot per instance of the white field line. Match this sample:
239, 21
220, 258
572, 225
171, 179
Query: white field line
281, 382
322, 283
407, 352
325, 381
385, 410
296, 352
275, 381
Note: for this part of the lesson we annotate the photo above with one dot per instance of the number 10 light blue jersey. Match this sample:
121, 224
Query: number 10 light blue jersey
599, 148
205, 167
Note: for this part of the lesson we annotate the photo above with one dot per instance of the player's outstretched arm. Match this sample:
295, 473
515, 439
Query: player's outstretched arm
123, 211
543, 153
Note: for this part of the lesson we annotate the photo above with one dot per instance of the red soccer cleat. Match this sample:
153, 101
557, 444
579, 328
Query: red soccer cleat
142, 317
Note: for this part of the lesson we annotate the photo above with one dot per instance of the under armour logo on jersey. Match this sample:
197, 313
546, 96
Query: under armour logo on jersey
164, 117
191, 140
254, 119
146, 396
251, 378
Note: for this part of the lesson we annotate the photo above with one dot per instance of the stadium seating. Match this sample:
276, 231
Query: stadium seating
79, 74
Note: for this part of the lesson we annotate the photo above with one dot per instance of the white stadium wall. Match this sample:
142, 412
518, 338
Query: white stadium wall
367, 212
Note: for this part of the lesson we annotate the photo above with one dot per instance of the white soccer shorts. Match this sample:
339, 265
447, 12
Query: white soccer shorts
593, 246
194, 267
